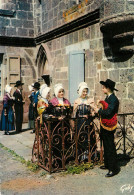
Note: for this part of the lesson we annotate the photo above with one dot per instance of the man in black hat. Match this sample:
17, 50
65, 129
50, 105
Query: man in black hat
108, 121
18, 106
36, 88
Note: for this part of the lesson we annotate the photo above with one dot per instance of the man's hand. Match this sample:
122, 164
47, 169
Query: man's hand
98, 101
85, 116
96, 109
61, 118
5, 113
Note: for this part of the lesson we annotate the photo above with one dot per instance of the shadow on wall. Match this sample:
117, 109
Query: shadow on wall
112, 54
118, 37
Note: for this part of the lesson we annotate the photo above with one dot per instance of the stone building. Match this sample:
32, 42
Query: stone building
71, 41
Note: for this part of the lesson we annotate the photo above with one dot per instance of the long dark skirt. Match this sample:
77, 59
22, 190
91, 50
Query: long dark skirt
7, 122
85, 133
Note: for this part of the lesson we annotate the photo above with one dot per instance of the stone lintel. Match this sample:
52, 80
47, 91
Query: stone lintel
6, 13
17, 41
81, 22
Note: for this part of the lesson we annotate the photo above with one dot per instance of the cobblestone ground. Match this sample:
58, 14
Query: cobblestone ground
17, 179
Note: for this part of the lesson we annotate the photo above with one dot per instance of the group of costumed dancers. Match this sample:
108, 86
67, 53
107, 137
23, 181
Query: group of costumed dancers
85, 107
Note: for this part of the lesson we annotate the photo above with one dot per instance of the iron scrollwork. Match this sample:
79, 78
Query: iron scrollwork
124, 134
57, 143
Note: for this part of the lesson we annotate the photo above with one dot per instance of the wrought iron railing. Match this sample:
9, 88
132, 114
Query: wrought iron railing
59, 142
124, 136
77, 139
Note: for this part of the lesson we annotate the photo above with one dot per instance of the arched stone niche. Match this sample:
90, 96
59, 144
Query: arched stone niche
43, 62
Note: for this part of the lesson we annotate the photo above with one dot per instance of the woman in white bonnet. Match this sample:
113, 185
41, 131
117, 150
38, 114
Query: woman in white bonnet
43, 102
7, 116
83, 109
42, 105
41, 88
83, 92
59, 96
59, 101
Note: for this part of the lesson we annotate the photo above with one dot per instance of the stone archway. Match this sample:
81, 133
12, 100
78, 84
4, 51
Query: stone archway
43, 60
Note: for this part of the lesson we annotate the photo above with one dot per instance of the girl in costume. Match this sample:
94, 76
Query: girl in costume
43, 102
61, 106
59, 96
84, 113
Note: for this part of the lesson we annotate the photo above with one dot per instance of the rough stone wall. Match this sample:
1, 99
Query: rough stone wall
100, 62
91, 40
21, 22
56, 13
27, 62
37, 17
115, 7
116, 23
16, 20
28, 71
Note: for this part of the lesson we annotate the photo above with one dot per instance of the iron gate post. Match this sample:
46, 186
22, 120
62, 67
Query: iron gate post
76, 142
124, 136
89, 153
50, 147
63, 145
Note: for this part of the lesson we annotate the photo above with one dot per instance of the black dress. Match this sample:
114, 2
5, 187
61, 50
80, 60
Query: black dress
85, 132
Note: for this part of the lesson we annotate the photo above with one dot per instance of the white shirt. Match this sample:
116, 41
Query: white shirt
83, 100
19, 90
60, 101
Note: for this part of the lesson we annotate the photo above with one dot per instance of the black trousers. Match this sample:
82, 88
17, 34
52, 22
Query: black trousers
19, 118
110, 155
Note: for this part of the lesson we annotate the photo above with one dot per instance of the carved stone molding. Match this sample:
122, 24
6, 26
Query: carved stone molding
82, 22
17, 41
119, 32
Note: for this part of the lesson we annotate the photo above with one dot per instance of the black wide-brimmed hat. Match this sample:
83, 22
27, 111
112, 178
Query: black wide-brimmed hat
36, 85
109, 84
18, 83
